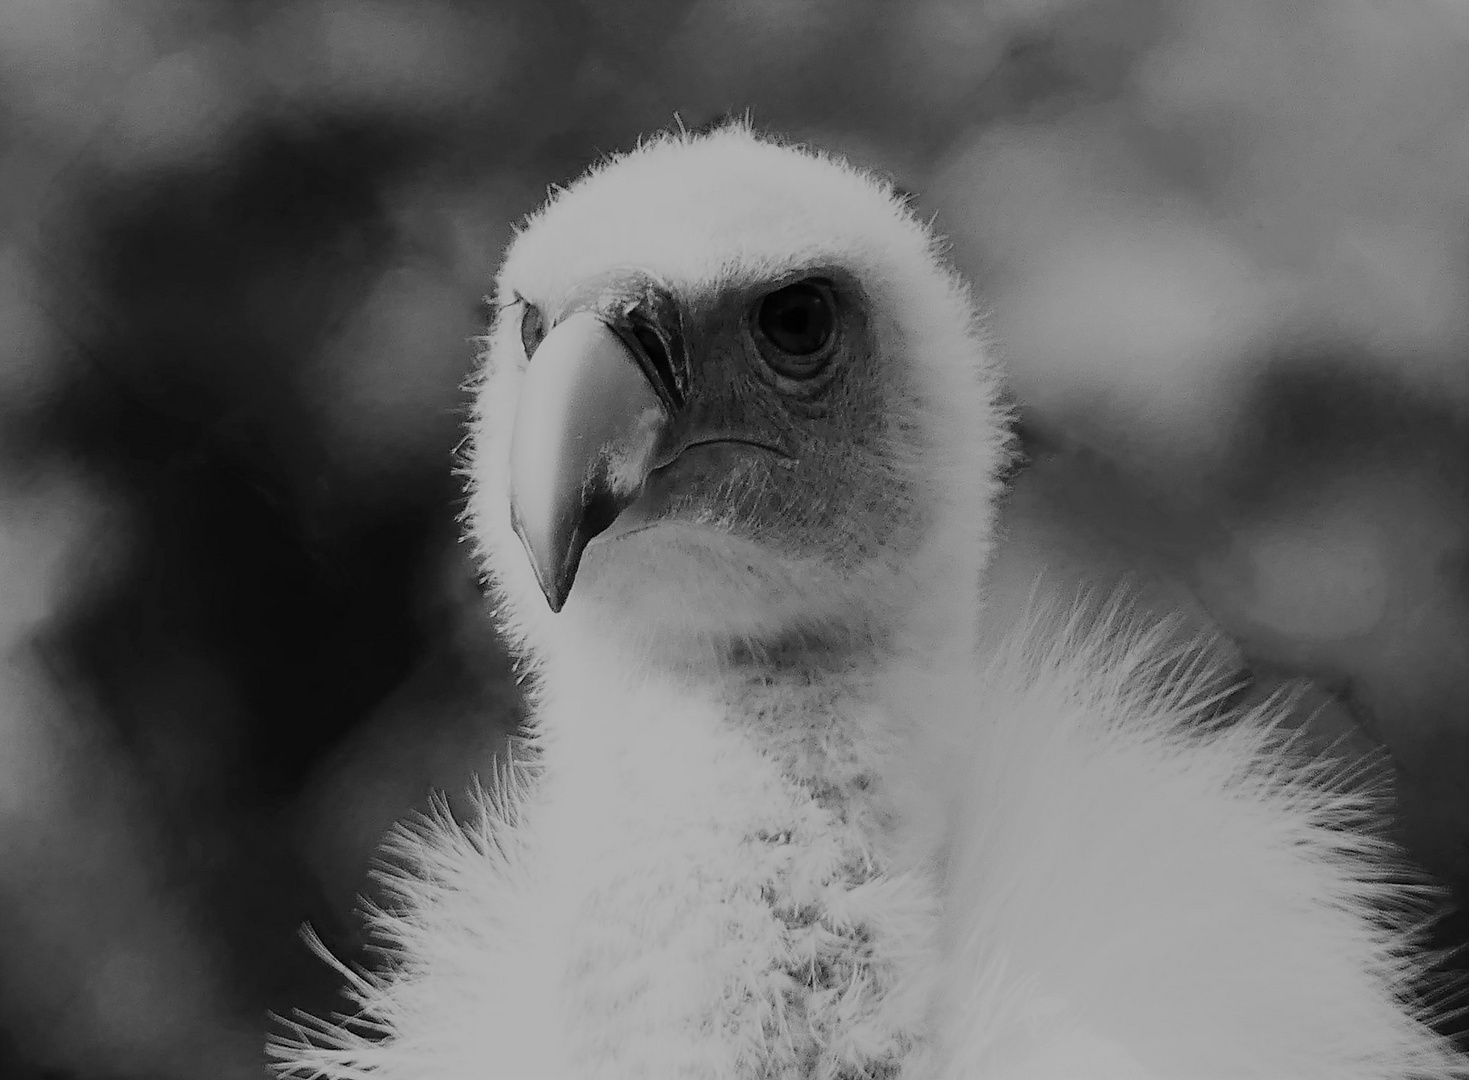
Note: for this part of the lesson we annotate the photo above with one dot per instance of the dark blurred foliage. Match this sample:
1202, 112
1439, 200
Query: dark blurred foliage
242, 253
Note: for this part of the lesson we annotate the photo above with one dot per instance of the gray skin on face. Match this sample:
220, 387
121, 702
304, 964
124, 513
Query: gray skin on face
797, 455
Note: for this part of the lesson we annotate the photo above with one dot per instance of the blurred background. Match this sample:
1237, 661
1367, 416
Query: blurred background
243, 250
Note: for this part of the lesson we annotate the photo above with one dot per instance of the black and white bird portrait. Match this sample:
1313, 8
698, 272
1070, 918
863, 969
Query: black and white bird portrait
734, 540
783, 810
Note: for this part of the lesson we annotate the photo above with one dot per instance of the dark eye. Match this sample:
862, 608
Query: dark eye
800, 322
532, 328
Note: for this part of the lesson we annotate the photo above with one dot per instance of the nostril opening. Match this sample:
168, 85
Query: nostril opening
657, 353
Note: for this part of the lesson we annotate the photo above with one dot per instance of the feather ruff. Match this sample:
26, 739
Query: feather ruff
1117, 883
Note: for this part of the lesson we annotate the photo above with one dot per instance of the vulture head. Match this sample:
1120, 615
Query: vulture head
733, 397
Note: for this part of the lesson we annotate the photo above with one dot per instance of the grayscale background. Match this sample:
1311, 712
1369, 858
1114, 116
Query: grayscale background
243, 250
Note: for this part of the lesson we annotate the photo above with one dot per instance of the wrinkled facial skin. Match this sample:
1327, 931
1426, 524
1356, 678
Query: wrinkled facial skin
827, 434
779, 494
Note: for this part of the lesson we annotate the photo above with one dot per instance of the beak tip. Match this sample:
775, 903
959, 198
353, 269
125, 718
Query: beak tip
556, 587
557, 591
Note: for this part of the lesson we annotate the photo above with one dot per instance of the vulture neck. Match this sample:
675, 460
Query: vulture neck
753, 837
838, 717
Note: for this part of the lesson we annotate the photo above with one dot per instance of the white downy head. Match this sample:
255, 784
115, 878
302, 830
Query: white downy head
734, 398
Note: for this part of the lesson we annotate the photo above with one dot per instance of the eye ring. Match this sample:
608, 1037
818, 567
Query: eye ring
532, 326
797, 327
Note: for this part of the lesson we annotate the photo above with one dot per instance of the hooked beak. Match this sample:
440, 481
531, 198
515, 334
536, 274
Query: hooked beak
597, 399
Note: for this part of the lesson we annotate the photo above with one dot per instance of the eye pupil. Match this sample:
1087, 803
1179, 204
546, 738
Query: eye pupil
795, 322
799, 321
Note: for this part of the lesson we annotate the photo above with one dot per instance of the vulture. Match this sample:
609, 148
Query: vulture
784, 810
